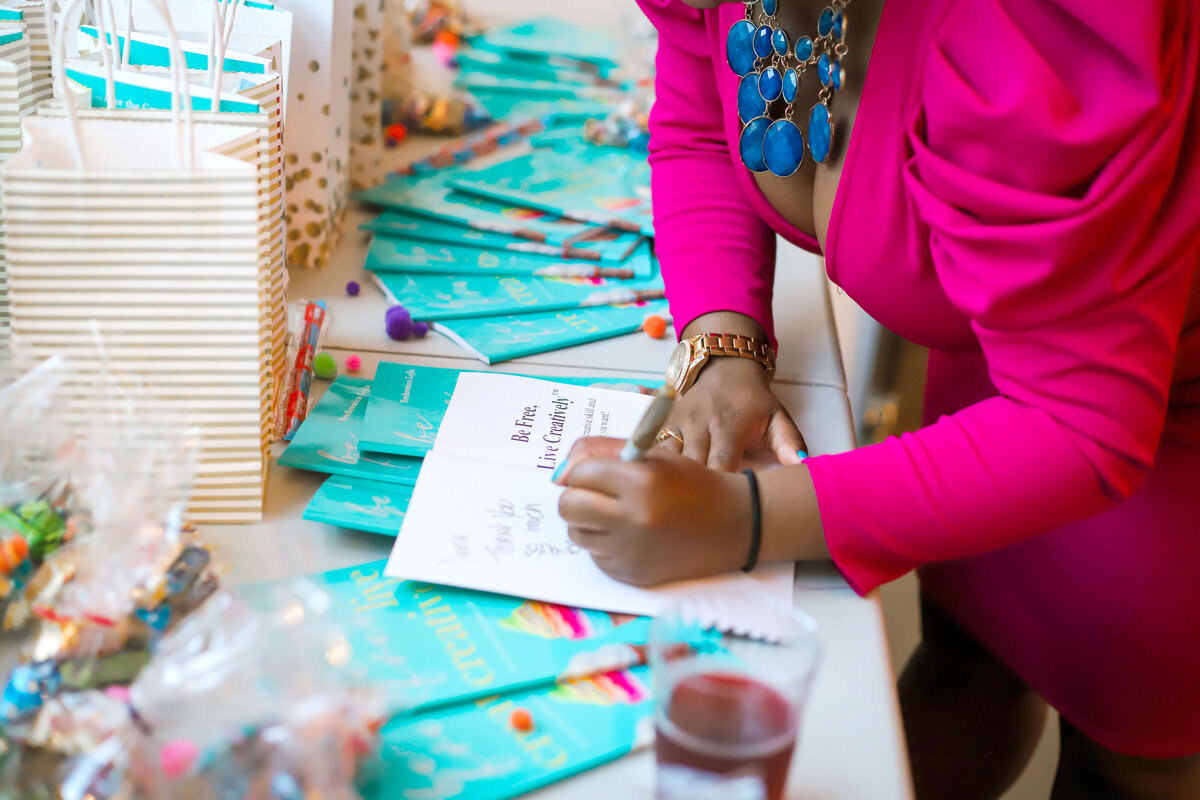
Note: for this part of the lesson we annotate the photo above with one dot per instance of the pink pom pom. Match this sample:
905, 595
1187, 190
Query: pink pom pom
118, 693
353, 363
177, 757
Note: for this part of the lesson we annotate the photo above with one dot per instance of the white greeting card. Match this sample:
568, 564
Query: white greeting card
484, 513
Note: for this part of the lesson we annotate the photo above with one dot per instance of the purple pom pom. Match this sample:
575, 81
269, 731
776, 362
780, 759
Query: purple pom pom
352, 288
398, 323
420, 329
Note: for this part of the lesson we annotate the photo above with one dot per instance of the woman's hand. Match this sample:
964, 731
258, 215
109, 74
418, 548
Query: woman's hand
729, 410
664, 518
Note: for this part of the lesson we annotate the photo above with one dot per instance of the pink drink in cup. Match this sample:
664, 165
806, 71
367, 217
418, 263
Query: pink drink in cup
727, 709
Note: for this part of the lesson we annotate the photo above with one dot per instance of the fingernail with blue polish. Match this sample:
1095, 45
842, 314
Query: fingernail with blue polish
559, 472
801, 454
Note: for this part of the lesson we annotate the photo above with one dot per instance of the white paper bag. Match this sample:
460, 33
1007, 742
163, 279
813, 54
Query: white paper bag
32, 13
168, 262
17, 100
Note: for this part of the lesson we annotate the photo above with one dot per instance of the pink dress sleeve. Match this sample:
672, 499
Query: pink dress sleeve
716, 253
1048, 161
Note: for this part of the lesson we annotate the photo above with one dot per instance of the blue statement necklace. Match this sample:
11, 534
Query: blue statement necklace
770, 66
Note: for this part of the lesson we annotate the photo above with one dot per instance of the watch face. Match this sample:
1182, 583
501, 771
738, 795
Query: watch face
678, 365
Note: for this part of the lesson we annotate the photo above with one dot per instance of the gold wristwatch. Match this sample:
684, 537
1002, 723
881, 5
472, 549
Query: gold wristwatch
692, 354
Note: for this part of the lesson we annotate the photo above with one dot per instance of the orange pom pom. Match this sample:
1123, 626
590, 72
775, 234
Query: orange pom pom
396, 132
446, 38
655, 326
521, 720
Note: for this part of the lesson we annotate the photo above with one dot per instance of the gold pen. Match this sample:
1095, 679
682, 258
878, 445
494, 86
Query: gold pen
649, 426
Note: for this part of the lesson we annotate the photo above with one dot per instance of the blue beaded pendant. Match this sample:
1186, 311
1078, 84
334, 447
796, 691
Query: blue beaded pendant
750, 146
791, 84
770, 84
804, 48
762, 41
739, 47
779, 40
770, 7
837, 75
839, 26
825, 22
783, 148
750, 103
820, 132
823, 69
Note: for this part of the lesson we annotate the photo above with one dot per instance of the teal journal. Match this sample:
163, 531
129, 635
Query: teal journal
602, 185
433, 298
328, 439
427, 646
403, 253
494, 340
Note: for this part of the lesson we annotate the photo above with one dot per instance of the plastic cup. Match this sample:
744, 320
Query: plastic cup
728, 707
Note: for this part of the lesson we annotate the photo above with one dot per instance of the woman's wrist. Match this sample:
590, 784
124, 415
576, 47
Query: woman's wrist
724, 322
791, 517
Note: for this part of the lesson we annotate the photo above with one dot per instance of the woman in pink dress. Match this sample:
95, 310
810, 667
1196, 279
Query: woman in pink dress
1014, 184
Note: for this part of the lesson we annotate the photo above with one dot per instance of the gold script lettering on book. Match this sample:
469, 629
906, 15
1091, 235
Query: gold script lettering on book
455, 639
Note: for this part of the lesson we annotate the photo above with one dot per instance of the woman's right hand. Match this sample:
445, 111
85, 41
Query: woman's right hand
731, 409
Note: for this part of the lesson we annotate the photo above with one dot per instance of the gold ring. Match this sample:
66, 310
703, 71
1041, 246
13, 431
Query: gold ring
666, 433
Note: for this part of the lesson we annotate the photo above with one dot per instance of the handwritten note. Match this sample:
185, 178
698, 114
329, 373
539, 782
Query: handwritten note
484, 514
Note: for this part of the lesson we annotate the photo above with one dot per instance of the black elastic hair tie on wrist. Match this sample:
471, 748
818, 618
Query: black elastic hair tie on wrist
755, 521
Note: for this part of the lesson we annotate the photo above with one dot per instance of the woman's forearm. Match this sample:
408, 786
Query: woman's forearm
791, 518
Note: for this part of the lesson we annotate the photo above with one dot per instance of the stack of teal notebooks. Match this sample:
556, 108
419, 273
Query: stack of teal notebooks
546, 244
454, 664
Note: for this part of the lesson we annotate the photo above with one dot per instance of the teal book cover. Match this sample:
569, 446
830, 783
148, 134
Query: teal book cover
395, 253
360, 504
602, 185
472, 751
494, 340
408, 404
433, 298
428, 646
429, 195
328, 439
548, 38
601, 244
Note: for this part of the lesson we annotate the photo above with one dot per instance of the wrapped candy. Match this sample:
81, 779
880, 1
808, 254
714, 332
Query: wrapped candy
628, 125
39, 508
442, 114
431, 18
238, 704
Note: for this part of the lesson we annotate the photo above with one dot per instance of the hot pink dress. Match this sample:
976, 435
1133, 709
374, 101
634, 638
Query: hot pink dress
1021, 194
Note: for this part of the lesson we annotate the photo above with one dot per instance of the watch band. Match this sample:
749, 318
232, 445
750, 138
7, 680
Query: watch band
729, 344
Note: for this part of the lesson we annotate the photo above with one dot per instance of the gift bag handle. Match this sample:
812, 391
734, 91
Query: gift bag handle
220, 33
182, 120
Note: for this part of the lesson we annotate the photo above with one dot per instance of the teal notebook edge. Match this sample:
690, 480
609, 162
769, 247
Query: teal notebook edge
494, 340
431, 196
409, 402
396, 252
604, 244
601, 185
433, 298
